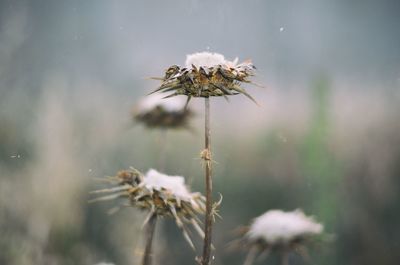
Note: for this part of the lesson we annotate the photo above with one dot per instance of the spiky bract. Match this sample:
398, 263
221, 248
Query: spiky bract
169, 198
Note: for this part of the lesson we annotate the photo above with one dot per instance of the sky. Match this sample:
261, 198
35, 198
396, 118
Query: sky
119, 43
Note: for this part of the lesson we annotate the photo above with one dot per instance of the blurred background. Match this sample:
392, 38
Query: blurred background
325, 139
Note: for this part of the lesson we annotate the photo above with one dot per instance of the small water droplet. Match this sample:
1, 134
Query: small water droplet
208, 48
281, 29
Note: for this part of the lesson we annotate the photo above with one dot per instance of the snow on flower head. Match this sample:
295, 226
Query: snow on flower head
276, 227
174, 184
152, 101
160, 194
204, 59
208, 59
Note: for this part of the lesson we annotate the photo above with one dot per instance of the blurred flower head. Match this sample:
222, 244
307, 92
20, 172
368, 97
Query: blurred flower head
277, 227
160, 194
279, 231
155, 112
206, 75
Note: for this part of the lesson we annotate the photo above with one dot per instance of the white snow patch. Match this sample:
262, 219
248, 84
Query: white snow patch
175, 184
208, 59
278, 226
204, 59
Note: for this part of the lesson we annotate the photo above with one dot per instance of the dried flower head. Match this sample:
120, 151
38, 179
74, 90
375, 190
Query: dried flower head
207, 75
278, 227
281, 231
156, 112
160, 194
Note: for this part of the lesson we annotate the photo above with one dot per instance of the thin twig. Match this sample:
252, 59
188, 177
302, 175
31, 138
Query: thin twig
207, 158
150, 229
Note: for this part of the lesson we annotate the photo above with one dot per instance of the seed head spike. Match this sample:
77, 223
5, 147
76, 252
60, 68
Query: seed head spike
197, 228
156, 78
150, 214
187, 238
108, 197
171, 95
155, 91
125, 187
187, 102
243, 91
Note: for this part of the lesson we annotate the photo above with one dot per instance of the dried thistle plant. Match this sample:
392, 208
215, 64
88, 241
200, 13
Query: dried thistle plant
155, 112
280, 232
159, 194
207, 75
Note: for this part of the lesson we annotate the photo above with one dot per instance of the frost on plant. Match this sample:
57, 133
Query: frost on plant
160, 194
205, 59
173, 184
207, 75
155, 112
278, 227
280, 231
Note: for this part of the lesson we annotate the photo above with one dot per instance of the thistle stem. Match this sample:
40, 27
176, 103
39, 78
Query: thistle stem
150, 229
207, 158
